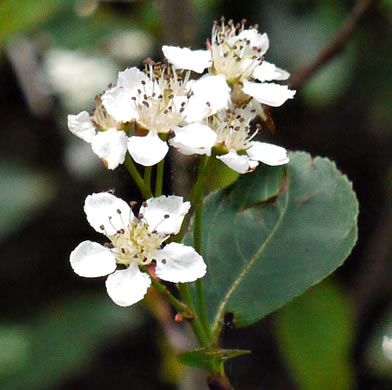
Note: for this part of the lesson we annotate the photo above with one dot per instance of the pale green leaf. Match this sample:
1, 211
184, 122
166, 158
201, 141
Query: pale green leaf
315, 334
273, 234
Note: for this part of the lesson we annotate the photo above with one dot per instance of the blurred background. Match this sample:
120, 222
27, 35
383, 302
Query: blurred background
59, 331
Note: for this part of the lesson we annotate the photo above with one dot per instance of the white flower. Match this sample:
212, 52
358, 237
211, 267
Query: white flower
229, 132
76, 76
158, 103
243, 155
135, 241
237, 54
103, 133
387, 347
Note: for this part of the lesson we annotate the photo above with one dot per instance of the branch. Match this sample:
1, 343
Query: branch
336, 45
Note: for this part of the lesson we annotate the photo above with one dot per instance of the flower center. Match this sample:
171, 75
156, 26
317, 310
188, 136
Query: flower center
161, 100
233, 57
136, 245
233, 128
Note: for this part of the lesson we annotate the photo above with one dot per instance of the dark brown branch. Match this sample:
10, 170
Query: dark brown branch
337, 44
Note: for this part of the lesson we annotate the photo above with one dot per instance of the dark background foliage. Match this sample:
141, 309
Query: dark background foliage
58, 331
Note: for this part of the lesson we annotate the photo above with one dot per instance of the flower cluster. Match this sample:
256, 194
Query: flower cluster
145, 113
148, 110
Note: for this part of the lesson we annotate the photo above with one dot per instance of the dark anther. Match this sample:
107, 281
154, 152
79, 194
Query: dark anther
102, 227
118, 211
123, 251
133, 203
166, 216
140, 216
145, 204
163, 261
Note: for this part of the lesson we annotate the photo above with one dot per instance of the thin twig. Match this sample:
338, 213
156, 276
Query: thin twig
336, 45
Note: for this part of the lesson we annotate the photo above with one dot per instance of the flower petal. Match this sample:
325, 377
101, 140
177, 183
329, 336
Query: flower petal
131, 78
195, 138
387, 347
119, 104
128, 286
184, 58
210, 94
256, 39
179, 263
108, 211
82, 126
111, 147
239, 163
268, 71
268, 93
91, 260
148, 150
156, 209
268, 154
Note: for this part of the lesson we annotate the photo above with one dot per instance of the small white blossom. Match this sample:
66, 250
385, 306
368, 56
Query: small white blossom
230, 133
76, 76
387, 347
104, 134
158, 101
237, 54
135, 241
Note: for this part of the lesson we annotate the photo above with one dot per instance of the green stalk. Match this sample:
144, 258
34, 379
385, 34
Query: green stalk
130, 165
159, 178
199, 186
197, 240
180, 307
196, 324
147, 180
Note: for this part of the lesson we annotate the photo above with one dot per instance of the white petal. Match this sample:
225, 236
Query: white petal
82, 126
184, 58
90, 259
157, 208
105, 209
131, 78
268, 154
210, 94
256, 39
148, 150
119, 104
268, 93
128, 286
110, 146
178, 263
267, 72
239, 163
195, 138
387, 347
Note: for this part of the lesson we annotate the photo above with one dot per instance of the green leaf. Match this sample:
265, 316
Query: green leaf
23, 192
23, 15
14, 348
63, 341
208, 358
315, 333
273, 234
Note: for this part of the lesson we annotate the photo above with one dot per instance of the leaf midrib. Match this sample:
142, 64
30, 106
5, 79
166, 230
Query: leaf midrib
222, 306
